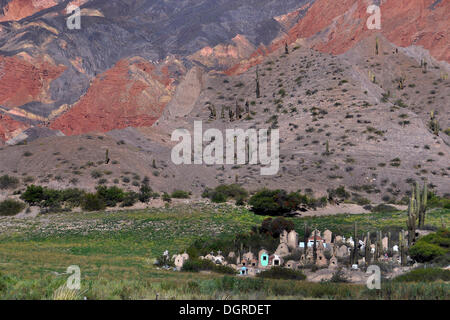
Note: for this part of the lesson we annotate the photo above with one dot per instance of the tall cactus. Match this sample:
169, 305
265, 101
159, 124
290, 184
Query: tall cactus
422, 205
258, 89
377, 46
367, 249
107, 159
412, 217
403, 248
354, 256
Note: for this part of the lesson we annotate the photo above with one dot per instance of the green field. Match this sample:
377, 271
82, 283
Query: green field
116, 252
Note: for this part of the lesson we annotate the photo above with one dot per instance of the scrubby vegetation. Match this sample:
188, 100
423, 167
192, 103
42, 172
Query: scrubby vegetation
11, 207
8, 182
282, 273
424, 275
432, 247
51, 200
223, 193
197, 265
279, 202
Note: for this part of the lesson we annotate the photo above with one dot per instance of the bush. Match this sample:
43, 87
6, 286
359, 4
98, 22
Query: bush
130, 199
339, 277
424, 275
145, 193
274, 227
180, 194
431, 247
111, 196
384, 208
34, 195
92, 202
425, 252
166, 197
196, 265
282, 273
8, 182
10, 207
274, 202
224, 192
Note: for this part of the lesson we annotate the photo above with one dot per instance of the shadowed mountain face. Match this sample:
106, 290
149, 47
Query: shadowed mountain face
47, 68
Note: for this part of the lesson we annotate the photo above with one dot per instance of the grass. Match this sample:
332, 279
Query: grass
116, 251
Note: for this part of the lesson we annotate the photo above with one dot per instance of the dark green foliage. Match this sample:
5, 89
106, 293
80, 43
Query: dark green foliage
197, 265
338, 193
129, 199
180, 194
223, 193
274, 202
424, 275
431, 247
111, 196
166, 197
274, 227
92, 202
33, 195
282, 273
435, 201
8, 182
339, 277
11, 207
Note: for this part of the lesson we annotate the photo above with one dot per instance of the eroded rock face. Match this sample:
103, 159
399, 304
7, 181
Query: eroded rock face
18, 9
337, 26
131, 94
24, 79
9, 128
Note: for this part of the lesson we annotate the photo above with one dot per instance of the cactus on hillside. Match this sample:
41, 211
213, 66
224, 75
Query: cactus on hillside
107, 159
258, 89
377, 46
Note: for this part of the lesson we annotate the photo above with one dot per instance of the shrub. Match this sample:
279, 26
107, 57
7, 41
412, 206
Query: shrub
425, 252
383, 208
92, 202
431, 247
145, 193
338, 193
10, 207
424, 275
166, 197
224, 192
34, 195
339, 277
110, 196
8, 182
180, 194
274, 227
274, 202
130, 199
282, 273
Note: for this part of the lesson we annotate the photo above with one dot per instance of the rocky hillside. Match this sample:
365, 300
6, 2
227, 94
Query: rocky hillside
137, 70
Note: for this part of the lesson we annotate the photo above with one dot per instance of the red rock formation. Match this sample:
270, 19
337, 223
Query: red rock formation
9, 128
19, 9
225, 55
23, 80
336, 26
131, 94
